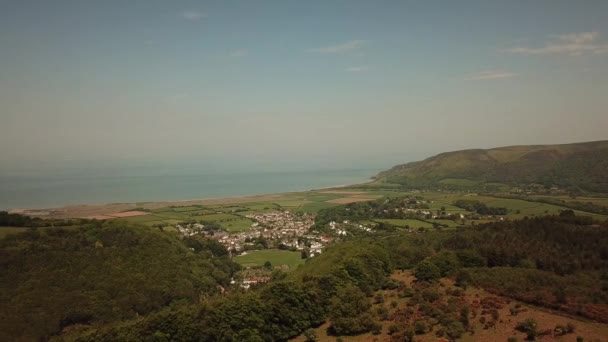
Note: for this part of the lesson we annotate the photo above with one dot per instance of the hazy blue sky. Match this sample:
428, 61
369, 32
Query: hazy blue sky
360, 83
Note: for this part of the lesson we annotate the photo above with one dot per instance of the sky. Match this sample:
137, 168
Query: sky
294, 83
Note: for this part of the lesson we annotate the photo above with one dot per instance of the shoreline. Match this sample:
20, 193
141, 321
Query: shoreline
84, 210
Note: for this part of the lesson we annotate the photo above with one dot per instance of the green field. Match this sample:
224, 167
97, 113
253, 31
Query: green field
275, 256
191, 208
525, 208
318, 197
449, 223
263, 206
292, 203
458, 182
216, 217
239, 225
142, 218
316, 206
390, 193
172, 215
449, 208
412, 223
229, 209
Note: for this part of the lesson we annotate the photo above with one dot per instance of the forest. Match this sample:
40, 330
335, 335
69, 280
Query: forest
58, 279
106, 282
16, 220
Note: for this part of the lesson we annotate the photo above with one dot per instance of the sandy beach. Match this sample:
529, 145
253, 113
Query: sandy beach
111, 209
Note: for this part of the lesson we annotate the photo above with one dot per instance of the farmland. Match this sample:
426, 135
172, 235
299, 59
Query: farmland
230, 215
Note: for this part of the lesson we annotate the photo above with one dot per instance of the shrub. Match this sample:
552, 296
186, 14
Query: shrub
529, 327
383, 313
419, 327
376, 328
393, 329
455, 330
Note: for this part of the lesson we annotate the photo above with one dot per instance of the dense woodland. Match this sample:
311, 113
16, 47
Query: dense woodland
106, 282
100, 273
16, 220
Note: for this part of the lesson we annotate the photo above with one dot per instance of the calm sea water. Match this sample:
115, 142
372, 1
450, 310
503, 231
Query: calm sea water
65, 188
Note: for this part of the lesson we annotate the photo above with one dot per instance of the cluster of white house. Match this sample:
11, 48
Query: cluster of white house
279, 227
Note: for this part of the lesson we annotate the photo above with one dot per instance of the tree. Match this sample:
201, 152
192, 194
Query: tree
249, 335
349, 312
427, 271
268, 265
447, 262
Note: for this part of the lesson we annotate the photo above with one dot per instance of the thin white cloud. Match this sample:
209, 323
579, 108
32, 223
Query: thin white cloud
573, 44
579, 38
238, 53
491, 75
358, 68
340, 48
193, 15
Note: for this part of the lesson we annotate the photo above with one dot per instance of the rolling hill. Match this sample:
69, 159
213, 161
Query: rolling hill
57, 280
578, 165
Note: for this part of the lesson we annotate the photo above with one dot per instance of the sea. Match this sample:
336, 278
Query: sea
71, 187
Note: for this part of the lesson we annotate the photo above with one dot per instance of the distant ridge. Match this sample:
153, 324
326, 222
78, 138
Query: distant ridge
579, 165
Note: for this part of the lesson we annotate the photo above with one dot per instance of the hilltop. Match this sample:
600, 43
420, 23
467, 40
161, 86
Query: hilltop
578, 166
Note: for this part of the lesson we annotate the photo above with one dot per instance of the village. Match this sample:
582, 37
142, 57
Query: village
275, 229
278, 229
284, 230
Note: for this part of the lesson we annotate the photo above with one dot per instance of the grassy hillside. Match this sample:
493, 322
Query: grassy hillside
56, 280
581, 165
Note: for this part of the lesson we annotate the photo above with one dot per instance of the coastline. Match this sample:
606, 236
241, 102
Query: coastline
87, 210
